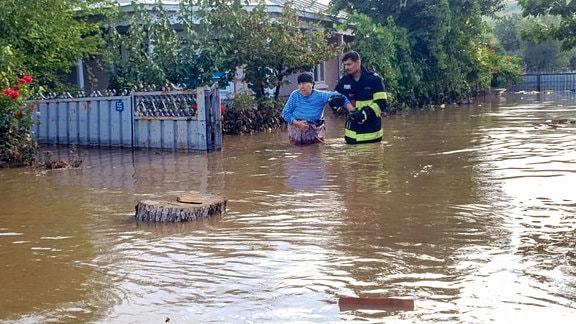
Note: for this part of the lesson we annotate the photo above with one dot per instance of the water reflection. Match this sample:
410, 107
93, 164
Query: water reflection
529, 168
117, 169
46, 252
466, 210
304, 168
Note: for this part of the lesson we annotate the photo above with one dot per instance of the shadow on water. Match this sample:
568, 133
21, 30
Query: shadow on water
465, 210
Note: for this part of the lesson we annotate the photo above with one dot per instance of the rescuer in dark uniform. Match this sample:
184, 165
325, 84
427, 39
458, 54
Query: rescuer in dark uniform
365, 90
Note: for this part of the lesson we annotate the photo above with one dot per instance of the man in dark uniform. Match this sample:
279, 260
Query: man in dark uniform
365, 90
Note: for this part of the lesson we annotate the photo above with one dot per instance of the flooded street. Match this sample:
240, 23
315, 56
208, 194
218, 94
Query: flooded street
469, 211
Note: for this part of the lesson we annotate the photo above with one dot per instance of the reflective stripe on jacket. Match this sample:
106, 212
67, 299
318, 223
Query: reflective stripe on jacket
352, 137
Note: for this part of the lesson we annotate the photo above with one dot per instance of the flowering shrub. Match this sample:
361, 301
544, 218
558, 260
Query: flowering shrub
17, 147
502, 70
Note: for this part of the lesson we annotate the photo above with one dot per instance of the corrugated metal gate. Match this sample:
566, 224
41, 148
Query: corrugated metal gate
172, 120
546, 82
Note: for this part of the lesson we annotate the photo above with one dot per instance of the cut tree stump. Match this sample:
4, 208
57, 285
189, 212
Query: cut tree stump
184, 208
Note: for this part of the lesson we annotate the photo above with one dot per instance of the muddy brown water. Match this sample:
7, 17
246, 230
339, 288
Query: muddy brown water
469, 211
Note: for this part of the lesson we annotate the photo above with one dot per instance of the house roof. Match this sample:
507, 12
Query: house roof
307, 6
312, 10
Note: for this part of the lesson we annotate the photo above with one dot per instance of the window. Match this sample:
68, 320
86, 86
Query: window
320, 76
319, 73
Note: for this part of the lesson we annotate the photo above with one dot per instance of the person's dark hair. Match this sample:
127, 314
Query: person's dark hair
351, 55
306, 77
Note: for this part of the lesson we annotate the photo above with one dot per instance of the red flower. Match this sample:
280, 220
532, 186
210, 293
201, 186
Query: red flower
25, 79
12, 93
16, 87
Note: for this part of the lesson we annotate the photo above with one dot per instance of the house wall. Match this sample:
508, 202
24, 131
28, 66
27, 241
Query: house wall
96, 75
332, 76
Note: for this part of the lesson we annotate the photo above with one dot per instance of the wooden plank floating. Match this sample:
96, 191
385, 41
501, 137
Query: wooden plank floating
184, 208
377, 303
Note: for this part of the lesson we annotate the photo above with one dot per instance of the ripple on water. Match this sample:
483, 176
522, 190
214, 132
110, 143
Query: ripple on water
464, 211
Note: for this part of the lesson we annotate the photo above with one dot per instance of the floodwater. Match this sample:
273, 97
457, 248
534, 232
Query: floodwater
468, 211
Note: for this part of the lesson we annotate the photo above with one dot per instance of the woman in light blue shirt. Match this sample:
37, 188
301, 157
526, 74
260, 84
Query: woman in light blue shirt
304, 111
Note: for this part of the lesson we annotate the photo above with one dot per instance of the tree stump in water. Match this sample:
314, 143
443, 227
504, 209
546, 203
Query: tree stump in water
183, 208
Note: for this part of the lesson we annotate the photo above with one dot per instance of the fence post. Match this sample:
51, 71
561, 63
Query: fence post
213, 119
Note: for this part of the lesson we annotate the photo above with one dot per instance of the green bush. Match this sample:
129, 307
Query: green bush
241, 118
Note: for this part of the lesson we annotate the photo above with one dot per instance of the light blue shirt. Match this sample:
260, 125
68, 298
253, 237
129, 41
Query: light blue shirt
310, 107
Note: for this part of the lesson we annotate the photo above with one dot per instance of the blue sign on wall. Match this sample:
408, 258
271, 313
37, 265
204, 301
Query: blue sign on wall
119, 106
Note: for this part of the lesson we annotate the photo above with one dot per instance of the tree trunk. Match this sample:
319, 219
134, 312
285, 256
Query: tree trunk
183, 208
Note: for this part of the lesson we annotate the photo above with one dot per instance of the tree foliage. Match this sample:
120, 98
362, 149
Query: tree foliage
150, 52
267, 47
438, 47
218, 37
48, 36
506, 31
41, 40
563, 29
513, 33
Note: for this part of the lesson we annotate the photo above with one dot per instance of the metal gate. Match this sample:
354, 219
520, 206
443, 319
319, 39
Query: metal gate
171, 120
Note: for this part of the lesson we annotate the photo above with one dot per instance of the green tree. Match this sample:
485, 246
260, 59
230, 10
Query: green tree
443, 41
506, 31
47, 37
513, 33
160, 48
41, 40
563, 29
208, 37
267, 47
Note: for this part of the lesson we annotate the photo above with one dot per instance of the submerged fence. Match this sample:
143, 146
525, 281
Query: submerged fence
546, 82
173, 120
